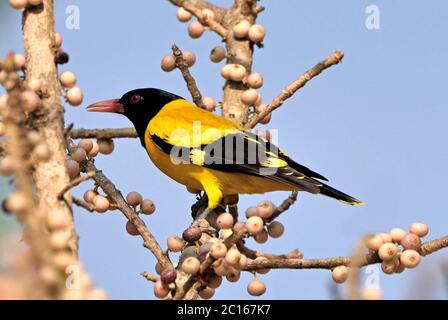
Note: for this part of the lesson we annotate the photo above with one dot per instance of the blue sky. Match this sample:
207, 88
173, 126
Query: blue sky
374, 125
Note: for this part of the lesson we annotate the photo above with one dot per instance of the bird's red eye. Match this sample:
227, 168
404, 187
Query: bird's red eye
136, 98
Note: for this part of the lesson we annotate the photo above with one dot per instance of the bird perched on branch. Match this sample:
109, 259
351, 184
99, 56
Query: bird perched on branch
207, 152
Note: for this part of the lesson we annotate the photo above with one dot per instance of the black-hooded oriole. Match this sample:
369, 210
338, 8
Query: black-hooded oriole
204, 151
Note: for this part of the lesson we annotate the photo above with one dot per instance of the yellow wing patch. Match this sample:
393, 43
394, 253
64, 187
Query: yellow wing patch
197, 157
274, 163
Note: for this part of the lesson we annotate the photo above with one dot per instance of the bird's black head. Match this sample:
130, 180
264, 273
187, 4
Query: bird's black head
139, 106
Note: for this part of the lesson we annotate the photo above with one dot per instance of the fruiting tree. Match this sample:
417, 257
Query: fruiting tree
47, 159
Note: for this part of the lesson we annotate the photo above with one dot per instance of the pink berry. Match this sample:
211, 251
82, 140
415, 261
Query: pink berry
30, 101
249, 97
411, 241
34, 85
266, 209
168, 63
225, 71
58, 39
214, 282
207, 293
106, 146
225, 221
18, 4
42, 152
35, 2
209, 103
276, 229
161, 290
374, 242
254, 225
192, 234
195, 29
410, 258
189, 57
101, 204
131, 229
233, 257
256, 33
183, 15
251, 212
389, 267
419, 228
134, 198
147, 206
19, 61
175, 244
255, 80
218, 250
168, 276
397, 234
79, 155
89, 195
340, 274
256, 288
241, 29
233, 275
74, 96
73, 169
217, 54
191, 265
68, 79
237, 72
94, 151
388, 251
86, 144
262, 237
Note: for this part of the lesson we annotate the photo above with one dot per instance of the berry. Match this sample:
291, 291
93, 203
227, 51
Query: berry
340, 274
410, 258
225, 71
419, 228
68, 79
86, 144
189, 57
237, 72
191, 265
207, 293
42, 152
101, 204
131, 229
389, 267
233, 275
255, 80
94, 151
192, 234
18, 4
106, 146
58, 39
261, 237
168, 63
59, 239
134, 198
79, 155
34, 85
241, 29
168, 276
16, 202
217, 54
242, 264
19, 61
256, 288
161, 290
251, 212
233, 257
225, 233
35, 2
388, 251
374, 242
183, 15
254, 225
74, 96
175, 244
73, 169
225, 221
58, 220
30, 101
147, 206
89, 195
397, 234
256, 33
249, 97
266, 209
411, 241
214, 282
276, 229
195, 29
221, 268
209, 103
218, 250
386, 237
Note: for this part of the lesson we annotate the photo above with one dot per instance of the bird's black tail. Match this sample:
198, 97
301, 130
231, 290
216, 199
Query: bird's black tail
338, 195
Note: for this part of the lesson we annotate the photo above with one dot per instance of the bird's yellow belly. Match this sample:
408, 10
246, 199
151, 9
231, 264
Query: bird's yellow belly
197, 177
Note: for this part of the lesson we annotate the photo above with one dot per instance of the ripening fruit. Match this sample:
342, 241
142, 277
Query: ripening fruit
410, 258
195, 29
58, 39
262, 237
259, 101
175, 244
74, 96
42, 152
276, 229
217, 54
168, 63
183, 15
16, 202
208, 14
68, 79
225, 233
101, 204
86, 144
207, 293
161, 290
261, 108
35, 2
59, 239
221, 268
95, 149
241, 29
237, 72
419, 228
79, 155
131, 229
18, 4
2, 129
209, 103
239, 226
30, 101
192, 234
374, 242
168, 276
411, 241
255, 80
225, 71
214, 282
225, 221
159, 269
242, 264
189, 57
256, 33
397, 234
218, 250
233, 275
19, 61
340, 274
134, 198
89, 195
256, 288
266, 209
191, 265
7, 166
34, 137
254, 225
3, 101
233, 256
389, 267
251, 212
386, 237
106, 146
72, 168
147, 206
388, 251
249, 97
34, 85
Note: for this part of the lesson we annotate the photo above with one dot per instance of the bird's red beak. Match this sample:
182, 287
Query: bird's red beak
112, 105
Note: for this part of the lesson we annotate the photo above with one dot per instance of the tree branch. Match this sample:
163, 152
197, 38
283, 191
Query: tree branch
102, 133
292, 88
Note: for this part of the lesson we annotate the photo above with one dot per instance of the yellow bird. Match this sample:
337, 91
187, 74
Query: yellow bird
207, 152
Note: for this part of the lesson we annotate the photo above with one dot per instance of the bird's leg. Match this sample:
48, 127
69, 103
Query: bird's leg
200, 204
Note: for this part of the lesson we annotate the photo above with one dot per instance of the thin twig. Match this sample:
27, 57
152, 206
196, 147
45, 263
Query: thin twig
191, 83
286, 204
83, 204
75, 182
292, 88
148, 276
103, 133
